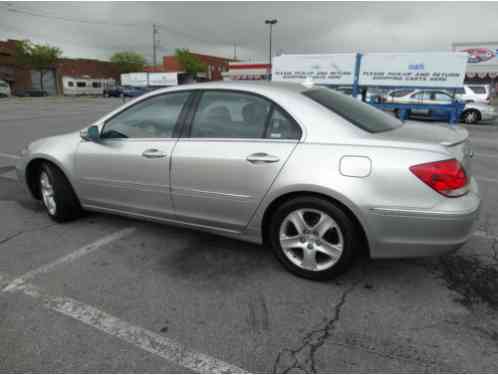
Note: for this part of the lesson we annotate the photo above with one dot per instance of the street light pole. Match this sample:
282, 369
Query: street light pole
271, 23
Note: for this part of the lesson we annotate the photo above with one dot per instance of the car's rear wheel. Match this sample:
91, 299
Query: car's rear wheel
312, 237
471, 116
57, 195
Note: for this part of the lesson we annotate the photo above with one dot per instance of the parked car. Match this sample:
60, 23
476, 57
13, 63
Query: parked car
474, 93
32, 93
113, 91
472, 113
4, 89
315, 175
126, 91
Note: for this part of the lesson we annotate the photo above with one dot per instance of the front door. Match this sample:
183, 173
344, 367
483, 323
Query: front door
128, 168
235, 147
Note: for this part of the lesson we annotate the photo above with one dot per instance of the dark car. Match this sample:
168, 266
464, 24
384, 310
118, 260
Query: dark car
126, 91
32, 93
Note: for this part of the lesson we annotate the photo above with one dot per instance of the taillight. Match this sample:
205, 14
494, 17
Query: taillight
446, 177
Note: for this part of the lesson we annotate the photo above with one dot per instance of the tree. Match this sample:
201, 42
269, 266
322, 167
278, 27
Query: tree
128, 62
189, 62
40, 57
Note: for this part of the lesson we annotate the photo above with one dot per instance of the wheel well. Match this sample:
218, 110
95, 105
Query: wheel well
32, 173
286, 197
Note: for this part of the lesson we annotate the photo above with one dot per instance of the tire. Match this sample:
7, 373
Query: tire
313, 245
471, 116
63, 204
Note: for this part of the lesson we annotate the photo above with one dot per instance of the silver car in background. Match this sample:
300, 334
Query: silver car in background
315, 175
473, 112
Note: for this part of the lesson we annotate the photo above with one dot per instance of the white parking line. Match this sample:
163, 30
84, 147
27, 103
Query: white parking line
10, 156
90, 248
144, 339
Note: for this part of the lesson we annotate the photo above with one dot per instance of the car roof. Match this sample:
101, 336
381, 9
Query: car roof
254, 86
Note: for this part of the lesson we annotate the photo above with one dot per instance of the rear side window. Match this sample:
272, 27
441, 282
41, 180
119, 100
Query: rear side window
358, 113
478, 89
81, 84
229, 114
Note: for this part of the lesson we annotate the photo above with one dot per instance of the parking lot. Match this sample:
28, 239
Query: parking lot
110, 294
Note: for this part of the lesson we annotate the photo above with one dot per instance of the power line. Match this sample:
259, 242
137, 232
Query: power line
10, 8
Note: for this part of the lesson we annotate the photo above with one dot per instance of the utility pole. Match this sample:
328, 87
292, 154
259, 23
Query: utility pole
271, 23
154, 45
235, 51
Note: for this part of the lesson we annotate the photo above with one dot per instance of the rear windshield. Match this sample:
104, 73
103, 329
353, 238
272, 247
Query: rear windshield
358, 113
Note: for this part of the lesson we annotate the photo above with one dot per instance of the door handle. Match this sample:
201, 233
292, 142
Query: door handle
153, 153
262, 157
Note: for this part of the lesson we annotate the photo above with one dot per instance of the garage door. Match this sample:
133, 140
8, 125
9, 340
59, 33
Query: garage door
48, 81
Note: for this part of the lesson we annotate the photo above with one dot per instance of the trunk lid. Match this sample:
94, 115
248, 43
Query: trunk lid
454, 138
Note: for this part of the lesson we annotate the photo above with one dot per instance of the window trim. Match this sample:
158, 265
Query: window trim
178, 125
187, 126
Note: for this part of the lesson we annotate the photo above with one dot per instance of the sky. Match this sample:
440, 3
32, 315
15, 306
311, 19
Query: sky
98, 29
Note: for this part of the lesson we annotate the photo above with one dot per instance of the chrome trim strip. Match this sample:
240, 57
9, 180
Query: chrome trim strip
405, 211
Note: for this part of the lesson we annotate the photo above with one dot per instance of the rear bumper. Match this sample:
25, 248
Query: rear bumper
406, 233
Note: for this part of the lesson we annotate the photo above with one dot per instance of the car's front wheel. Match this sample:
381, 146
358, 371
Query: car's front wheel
312, 237
57, 195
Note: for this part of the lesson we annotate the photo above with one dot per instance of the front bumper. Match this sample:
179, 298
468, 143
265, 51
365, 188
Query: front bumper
407, 233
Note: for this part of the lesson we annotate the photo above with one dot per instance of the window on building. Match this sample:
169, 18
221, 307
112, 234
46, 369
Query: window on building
81, 84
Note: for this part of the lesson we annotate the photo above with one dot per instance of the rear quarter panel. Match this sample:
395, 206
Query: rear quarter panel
315, 168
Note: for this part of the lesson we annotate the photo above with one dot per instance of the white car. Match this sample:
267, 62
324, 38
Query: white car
474, 93
4, 89
472, 113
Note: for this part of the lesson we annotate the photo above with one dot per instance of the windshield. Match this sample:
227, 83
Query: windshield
358, 113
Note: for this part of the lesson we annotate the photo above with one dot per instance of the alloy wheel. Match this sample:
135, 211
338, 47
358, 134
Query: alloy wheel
311, 239
47, 191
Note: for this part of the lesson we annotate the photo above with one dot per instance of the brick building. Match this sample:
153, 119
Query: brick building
215, 66
22, 78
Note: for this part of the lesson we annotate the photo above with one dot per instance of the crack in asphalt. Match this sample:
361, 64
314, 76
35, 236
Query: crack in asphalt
21, 232
303, 358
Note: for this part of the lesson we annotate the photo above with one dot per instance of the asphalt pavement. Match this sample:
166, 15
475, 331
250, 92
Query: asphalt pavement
111, 294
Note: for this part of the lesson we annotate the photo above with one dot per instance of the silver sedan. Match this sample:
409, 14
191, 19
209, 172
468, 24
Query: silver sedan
313, 174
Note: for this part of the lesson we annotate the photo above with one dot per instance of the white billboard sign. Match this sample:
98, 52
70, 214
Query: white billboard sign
330, 69
163, 79
134, 79
432, 69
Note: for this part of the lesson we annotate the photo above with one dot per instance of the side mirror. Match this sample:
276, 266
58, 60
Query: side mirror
92, 133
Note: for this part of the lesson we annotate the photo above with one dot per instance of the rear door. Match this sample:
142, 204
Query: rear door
233, 149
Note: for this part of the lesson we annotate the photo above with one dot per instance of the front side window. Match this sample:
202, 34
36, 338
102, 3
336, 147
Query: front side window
154, 117
230, 115
356, 112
